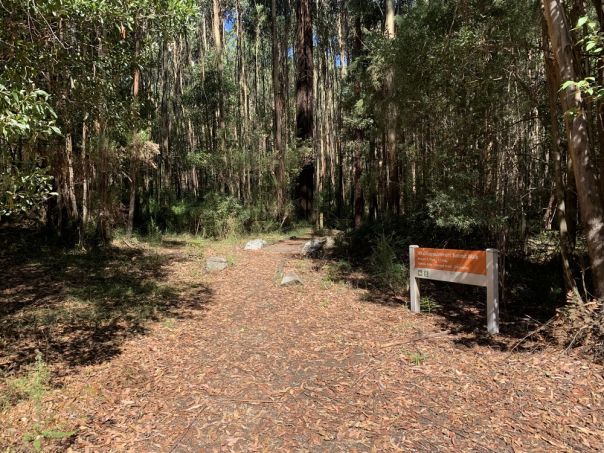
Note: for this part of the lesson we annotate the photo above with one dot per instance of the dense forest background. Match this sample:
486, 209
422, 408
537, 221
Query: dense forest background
466, 123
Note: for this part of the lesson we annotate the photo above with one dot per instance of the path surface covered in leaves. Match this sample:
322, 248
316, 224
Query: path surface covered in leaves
320, 367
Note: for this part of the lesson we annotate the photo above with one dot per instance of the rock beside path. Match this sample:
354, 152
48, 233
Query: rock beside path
316, 246
216, 263
313, 247
256, 244
290, 279
330, 243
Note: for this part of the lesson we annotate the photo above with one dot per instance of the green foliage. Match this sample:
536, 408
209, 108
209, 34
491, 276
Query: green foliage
25, 117
335, 273
22, 193
417, 358
37, 438
33, 386
216, 216
325, 303
220, 216
450, 210
25, 114
200, 159
386, 267
593, 45
428, 304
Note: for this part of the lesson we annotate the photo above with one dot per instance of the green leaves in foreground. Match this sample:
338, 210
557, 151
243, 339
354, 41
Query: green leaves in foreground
22, 192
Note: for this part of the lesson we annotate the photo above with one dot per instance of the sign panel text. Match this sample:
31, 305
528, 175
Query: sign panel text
463, 261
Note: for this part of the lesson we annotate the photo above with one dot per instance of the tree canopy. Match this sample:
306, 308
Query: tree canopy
470, 122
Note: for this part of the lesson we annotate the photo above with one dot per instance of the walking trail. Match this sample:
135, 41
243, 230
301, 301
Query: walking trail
322, 367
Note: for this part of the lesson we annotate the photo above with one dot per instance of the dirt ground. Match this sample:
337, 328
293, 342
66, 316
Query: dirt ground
243, 364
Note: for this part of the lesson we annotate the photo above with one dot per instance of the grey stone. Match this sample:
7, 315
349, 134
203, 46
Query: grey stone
313, 247
256, 244
216, 263
330, 243
290, 279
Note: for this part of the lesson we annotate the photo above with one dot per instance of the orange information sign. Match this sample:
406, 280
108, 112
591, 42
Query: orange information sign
464, 261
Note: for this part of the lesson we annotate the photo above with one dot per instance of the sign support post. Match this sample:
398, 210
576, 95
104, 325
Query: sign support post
413, 286
493, 291
470, 267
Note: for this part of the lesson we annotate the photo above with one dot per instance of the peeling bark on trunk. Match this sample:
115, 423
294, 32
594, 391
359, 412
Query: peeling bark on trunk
566, 245
600, 105
590, 201
304, 70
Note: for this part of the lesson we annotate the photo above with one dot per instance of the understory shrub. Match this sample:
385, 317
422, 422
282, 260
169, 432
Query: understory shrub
216, 216
386, 266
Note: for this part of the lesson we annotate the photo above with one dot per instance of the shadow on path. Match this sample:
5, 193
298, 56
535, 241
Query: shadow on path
531, 298
77, 308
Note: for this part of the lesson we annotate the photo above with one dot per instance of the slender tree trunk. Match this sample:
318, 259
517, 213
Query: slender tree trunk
136, 74
592, 209
394, 190
218, 47
132, 201
278, 107
70, 181
358, 201
84, 175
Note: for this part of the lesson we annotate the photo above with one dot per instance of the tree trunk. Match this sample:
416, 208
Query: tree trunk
84, 175
70, 182
600, 104
394, 190
218, 46
590, 201
342, 39
304, 70
136, 74
278, 108
358, 201
566, 246
132, 201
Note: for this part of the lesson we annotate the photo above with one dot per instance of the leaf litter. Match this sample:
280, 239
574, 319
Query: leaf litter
314, 368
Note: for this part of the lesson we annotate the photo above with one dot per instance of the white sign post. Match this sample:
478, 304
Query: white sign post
478, 268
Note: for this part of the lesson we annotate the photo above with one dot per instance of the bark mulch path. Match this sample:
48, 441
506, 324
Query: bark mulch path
318, 367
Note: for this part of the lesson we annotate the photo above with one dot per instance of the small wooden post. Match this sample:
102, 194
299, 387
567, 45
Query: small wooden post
413, 286
493, 291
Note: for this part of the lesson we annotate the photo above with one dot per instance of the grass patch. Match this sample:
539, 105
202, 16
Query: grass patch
33, 386
169, 323
417, 358
428, 304
325, 303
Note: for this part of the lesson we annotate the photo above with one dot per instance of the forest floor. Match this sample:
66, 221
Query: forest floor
148, 352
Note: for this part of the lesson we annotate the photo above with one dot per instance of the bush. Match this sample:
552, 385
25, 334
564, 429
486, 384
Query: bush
216, 216
386, 266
